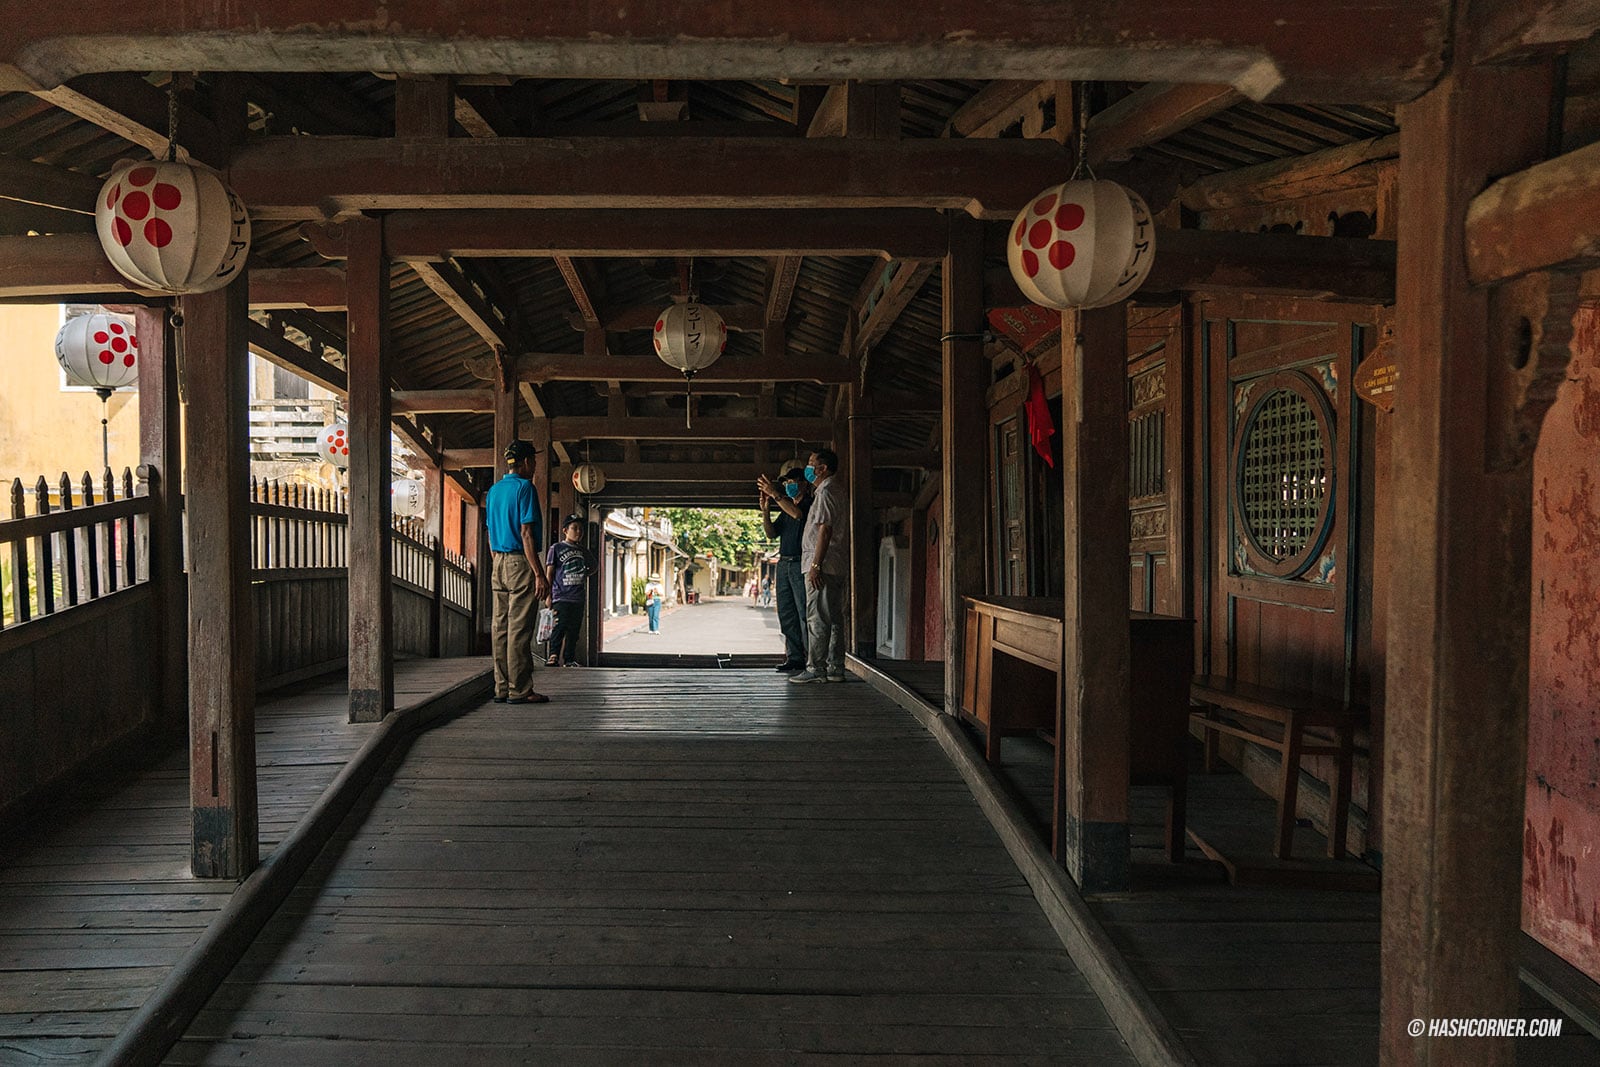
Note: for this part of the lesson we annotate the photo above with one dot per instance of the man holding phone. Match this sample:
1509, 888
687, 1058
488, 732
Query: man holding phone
791, 495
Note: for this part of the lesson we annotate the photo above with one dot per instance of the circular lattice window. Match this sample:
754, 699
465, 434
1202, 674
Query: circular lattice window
1283, 474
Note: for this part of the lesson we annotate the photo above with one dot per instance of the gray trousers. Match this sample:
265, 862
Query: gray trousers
827, 610
792, 609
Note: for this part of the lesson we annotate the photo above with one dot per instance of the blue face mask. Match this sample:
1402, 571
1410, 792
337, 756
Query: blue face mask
792, 490
811, 473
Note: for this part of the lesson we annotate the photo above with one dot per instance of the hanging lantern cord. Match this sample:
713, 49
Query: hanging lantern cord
105, 434
688, 393
1081, 90
172, 118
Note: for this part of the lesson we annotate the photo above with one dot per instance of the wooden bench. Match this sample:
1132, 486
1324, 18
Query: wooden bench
1291, 712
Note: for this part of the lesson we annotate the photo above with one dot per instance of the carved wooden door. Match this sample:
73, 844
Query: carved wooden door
1281, 478
1011, 511
1156, 432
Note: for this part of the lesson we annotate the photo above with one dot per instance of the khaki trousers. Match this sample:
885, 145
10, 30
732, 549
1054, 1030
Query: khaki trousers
827, 607
515, 619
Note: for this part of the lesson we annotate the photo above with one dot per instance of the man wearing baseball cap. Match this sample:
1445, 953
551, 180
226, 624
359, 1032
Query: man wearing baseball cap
511, 512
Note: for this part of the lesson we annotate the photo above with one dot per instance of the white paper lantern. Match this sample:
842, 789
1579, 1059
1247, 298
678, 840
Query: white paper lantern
588, 479
98, 351
690, 337
172, 227
406, 497
333, 445
1082, 244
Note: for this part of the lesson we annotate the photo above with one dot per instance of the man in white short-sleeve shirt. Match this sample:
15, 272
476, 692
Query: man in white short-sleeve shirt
825, 557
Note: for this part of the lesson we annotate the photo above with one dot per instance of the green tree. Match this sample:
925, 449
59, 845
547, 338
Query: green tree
732, 536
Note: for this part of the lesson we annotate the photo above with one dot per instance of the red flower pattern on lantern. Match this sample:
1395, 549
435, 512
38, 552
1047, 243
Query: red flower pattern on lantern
172, 227
1083, 244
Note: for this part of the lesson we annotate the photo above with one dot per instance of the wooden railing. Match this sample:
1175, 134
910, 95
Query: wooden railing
63, 547
413, 556
296, 528
71, 549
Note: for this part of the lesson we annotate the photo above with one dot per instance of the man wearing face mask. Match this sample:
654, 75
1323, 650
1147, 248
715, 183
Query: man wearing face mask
793, 497
825, 558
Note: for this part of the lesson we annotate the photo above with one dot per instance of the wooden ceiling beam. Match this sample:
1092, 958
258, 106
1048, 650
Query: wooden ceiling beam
1547, 216
744, 474
574, 272
993, 103
858, 109
47, 186
307, 177
557, 367
1342, 167
311, 288
1153, 113
1516, 29
1337, 50
62, 263
74, 264
474, 308
279, 350
675, 494
441, 401
671, 428
424, 106
740, 318
903, 288
19, 218
784, 274
416, 236
324, 109
1344, 268
461, 459
125, 104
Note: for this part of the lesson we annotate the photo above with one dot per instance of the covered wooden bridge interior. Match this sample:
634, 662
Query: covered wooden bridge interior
1376, 224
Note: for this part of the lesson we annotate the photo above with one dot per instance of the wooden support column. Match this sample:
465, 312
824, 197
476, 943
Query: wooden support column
433, 526
222, 653
161, 472
1092, 714
966, 429
1460, 572
541, 482
863, 545
371, 589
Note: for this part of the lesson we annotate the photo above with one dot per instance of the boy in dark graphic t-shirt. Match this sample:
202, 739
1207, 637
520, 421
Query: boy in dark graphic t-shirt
570, 565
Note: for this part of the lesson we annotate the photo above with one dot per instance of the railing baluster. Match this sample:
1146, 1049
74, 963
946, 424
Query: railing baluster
72, 590
88, 559
255, 526
19, 558
108, 533
44, 567
130, 555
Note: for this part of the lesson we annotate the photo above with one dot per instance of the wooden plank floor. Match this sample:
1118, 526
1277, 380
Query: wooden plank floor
1246, 974
95, 911
659, 866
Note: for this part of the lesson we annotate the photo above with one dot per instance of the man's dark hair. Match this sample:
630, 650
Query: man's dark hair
519, 450
829, 458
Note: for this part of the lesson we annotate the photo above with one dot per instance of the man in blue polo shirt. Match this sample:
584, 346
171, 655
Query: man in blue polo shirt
511, 512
